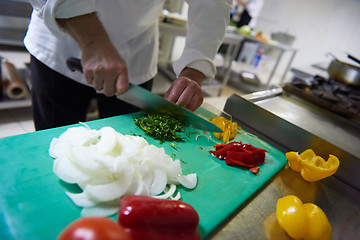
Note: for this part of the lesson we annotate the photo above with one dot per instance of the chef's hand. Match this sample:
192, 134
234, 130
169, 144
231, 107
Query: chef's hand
186, 90
103, 66
105, 69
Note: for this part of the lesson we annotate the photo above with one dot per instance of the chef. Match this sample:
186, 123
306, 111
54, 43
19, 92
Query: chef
117, 42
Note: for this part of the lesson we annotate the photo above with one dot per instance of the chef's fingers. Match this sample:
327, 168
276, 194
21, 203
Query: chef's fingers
122, 81
176, 89
192, 97
112, 76
109, 86
100, 76
89, 77
195, 102
109, 79
98, 83
185, 92
186, 96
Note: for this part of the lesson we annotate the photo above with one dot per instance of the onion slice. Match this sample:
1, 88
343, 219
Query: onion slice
168, 193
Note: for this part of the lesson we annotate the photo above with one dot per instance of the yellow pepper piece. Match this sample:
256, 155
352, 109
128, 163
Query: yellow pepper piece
291, 216
300, 220
228, 127
312, 167
320, 227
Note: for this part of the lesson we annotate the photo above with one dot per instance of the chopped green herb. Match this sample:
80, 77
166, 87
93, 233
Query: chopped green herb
161, 127
190, 133
183, 161
174, 145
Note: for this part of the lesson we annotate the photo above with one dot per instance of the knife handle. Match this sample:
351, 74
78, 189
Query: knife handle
74, 64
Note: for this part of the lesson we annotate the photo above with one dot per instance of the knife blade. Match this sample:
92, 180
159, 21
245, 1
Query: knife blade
149, 102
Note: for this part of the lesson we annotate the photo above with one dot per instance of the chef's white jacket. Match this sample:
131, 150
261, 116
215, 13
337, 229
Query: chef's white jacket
132, 26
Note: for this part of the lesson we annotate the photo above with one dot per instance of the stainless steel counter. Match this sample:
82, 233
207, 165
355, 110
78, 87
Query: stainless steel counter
257, 220
340, 131
292, 125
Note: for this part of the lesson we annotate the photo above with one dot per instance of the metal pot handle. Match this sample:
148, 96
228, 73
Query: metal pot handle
332, 56
353, 58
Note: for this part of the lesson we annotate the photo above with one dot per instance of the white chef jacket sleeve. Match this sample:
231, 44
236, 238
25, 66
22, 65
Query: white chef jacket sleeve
51, 9
207, 23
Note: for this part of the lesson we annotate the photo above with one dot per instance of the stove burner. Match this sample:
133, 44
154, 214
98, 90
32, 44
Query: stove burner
328, 93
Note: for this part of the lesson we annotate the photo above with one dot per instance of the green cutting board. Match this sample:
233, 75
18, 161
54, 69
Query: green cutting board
33, 204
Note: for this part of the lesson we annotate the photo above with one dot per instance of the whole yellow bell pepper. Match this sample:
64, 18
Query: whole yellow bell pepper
306, 221
312, 167
228, 127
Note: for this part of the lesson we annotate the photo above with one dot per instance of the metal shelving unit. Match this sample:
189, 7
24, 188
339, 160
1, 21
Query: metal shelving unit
11, 37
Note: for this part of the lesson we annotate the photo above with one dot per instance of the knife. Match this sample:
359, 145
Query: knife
149, 102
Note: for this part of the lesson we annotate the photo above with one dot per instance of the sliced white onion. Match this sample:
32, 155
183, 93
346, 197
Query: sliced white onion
159, 183
108, 165
67, 172
58, 149
112, 190
81, 200
188, 181
177, 196
84, 157
107, 142
80, 136
141, 189
168, 193
100, 210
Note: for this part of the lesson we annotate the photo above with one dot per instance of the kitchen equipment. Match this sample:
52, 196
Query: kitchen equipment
283, 38
33, 203
353, 58
343, 99
150, 102
344, 72
14, 86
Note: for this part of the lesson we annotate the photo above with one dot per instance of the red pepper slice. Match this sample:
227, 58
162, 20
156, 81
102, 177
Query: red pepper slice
146, 217
240, 158
239, 154
254, 170
219, 146
248, 148
222, 152
259, 156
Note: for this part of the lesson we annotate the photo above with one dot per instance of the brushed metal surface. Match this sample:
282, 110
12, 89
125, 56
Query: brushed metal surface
285, 135
338, 195
257, 220
316, 120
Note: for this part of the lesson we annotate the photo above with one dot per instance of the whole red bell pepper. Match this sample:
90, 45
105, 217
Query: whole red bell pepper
145, 217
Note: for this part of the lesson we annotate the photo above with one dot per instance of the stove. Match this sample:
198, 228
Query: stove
340, 98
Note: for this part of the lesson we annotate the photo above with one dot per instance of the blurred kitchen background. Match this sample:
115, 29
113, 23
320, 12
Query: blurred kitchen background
296, 37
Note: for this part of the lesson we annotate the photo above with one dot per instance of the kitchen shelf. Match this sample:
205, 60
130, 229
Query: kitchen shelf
12, 37
12, 104
15, 8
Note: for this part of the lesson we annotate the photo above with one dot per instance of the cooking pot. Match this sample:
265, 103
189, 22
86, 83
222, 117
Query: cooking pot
344, 72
